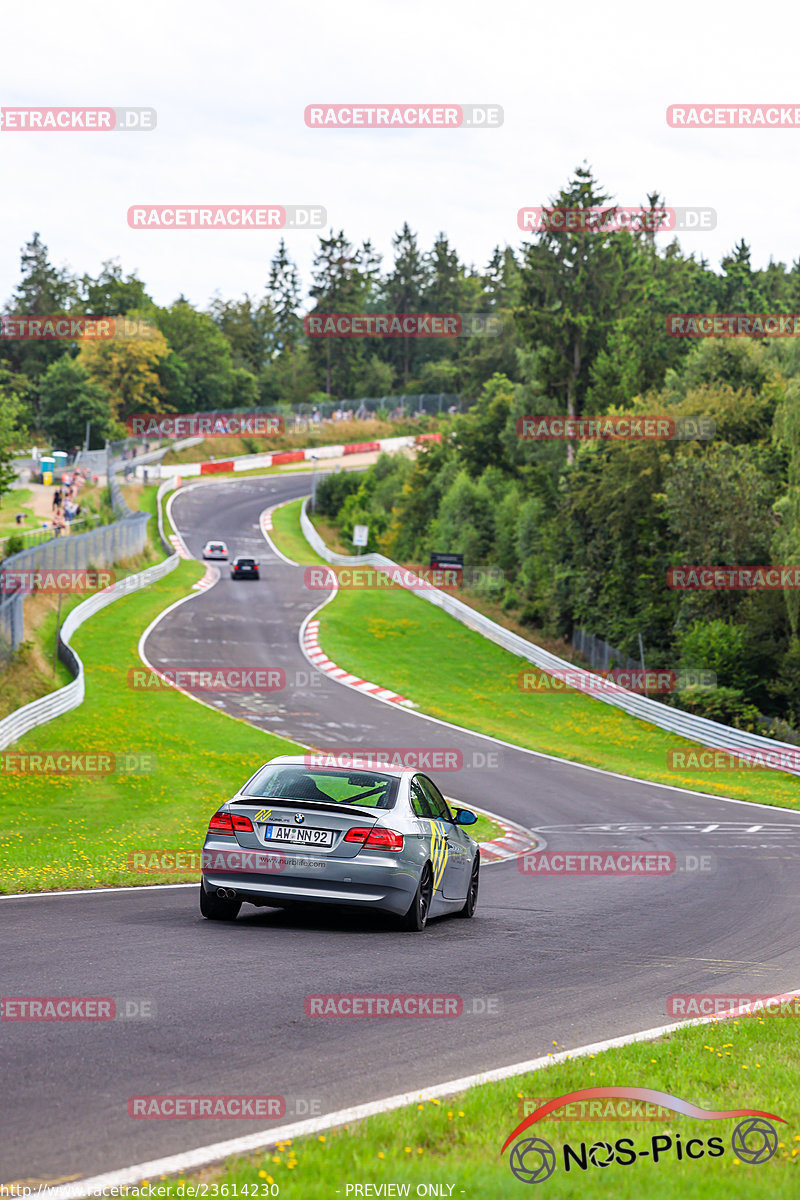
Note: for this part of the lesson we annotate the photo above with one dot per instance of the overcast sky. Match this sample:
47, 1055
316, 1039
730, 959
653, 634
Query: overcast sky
577, 81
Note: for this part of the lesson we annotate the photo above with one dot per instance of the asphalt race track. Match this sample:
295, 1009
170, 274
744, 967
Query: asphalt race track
562, 960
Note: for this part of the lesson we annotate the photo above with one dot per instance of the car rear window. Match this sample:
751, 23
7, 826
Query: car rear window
246, 562
367, 789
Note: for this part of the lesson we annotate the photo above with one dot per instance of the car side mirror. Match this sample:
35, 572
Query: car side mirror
465, 817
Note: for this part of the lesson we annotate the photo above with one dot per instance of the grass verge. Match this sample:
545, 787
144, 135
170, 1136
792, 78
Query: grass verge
454, 1142
288, 536
391, 636
14, 501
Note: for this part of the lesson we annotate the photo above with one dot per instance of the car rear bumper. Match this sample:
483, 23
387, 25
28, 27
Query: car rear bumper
384, 886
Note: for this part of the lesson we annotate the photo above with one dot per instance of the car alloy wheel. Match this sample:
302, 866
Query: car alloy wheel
472, 892
416, 918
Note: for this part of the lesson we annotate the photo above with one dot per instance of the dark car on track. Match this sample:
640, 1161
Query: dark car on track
244, 567
347, 837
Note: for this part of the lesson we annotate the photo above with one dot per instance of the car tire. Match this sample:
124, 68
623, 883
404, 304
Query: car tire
215, 908
471, 901
416, 918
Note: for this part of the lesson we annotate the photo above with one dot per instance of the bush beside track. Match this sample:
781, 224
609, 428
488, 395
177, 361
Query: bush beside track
385, 636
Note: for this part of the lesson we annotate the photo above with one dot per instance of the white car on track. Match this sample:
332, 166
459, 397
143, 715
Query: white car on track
215, 550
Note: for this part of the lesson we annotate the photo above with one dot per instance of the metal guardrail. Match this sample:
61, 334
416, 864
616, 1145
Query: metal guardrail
55, 704
674, 720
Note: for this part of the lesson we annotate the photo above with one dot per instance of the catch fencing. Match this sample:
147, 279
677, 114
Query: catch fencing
12, 624
600, 655
98, 547
38, 712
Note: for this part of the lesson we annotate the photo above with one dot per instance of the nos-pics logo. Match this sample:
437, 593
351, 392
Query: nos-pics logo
533, 1159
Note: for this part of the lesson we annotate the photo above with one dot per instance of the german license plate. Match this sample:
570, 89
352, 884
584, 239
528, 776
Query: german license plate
302, 837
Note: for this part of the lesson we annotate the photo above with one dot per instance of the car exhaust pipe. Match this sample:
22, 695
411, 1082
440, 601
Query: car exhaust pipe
226, 893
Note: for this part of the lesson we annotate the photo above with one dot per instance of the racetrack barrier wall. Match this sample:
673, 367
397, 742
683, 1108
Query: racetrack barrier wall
254, 462
687, 725
55, 704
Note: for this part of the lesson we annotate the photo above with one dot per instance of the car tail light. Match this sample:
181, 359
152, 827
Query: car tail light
225, 822
376, 839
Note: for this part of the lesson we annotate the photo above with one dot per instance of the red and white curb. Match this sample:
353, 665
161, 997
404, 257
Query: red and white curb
211, 577
290, 459
311, 648
511, 843
265, 525
179, 546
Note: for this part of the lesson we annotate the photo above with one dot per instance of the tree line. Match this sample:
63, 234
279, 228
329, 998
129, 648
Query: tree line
585, 531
